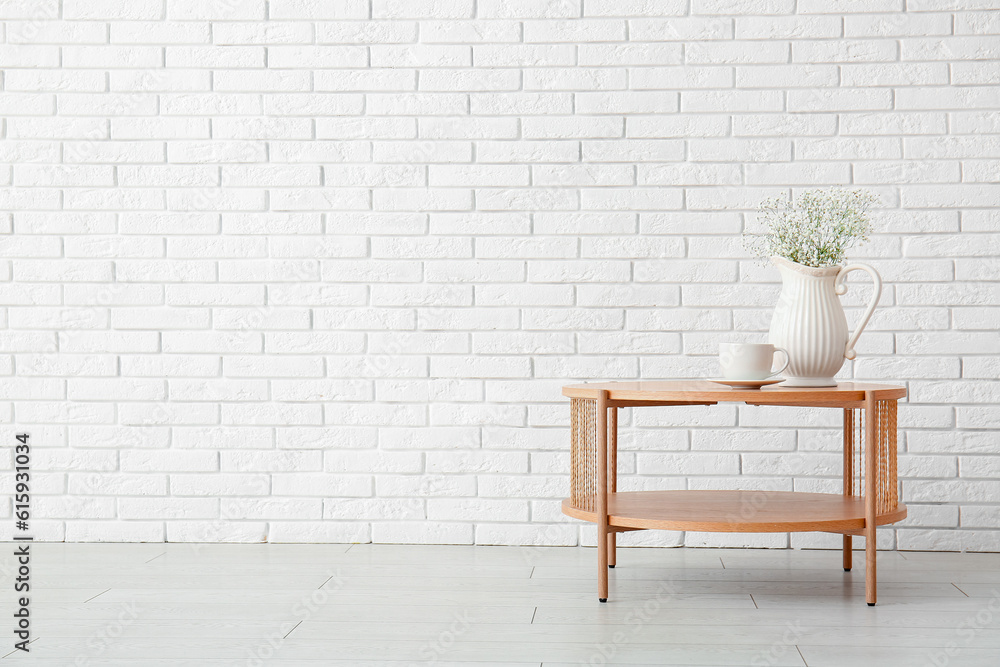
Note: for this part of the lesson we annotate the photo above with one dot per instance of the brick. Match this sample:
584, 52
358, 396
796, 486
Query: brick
271, 461
209, 57
844, 51
17, 104
563, 175
415, 532
577, 30
298, 294
468, 128
973, 516
188, 10
166, 32
750, 150
956, 196
64, 128
479, 271
648, 463
524, 55
408, 152
304, 9
222, 437
219, 484
895, 74
570, 320
262, 128
660, 127
578, 78
277, 80
39, 81
893, 25
846, 149
791, 76
477, 509
742, 6
270, 270
958, 98
907, 172
113, 9
199, 532
736, 101
836, 6
115, 531
679, 28
519, 9
839, 100
529, 104
733, 53
475, 175
369, 32
799, 173
272, 32
796, 463
168, 461
441, 80
437, 389
35, 31
626, 102
423, 9
469, 32
196, 152
214, 295
468, 415
532, 151
682, 271
195, 103
217, 390
788, 27
618, 55
104, 57
534, 295
168, 509
949, 48
311, 342
420, 55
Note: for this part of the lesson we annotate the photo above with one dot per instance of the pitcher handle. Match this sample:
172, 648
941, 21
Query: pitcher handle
840, 287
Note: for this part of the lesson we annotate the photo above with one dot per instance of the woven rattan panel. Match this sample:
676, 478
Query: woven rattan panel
583, 484
887, 488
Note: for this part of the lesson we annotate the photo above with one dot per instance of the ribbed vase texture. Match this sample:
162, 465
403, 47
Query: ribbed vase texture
809, 322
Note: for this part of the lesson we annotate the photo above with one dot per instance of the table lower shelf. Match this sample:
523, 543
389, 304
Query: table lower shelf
736, 511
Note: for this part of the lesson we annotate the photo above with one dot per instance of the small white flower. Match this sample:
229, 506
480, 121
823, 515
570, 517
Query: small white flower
816, 229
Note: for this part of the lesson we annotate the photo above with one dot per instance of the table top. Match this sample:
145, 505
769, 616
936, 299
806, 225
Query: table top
705, 391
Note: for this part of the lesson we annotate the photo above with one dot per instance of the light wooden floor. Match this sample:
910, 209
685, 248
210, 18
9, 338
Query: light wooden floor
311, 605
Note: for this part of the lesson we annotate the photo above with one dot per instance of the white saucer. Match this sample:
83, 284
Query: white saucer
748, 384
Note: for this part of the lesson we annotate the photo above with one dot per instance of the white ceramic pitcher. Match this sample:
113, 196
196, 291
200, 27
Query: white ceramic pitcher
809, 321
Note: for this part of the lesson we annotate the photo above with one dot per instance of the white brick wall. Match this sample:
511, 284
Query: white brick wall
298, 270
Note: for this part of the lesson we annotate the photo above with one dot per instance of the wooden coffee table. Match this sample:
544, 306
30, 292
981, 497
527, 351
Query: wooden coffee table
870, 495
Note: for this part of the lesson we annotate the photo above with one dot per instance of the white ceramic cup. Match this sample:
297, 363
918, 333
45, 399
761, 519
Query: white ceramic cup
749, 361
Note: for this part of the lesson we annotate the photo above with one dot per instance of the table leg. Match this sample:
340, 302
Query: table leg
848, 477
871, 474
603, 534
613, 477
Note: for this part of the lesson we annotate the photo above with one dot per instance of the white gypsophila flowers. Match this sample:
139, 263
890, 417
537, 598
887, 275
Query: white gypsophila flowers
816, 229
